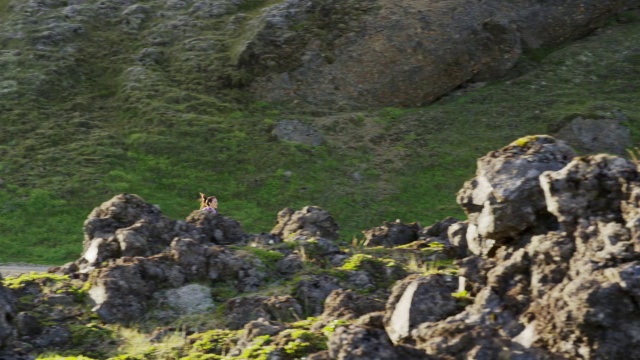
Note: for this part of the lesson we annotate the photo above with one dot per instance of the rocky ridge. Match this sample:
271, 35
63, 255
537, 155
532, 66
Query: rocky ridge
547, 265
346, 54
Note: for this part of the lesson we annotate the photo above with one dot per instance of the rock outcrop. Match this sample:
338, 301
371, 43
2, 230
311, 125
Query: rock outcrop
552, 294
372, 53
505, 199
548, 264
311, 221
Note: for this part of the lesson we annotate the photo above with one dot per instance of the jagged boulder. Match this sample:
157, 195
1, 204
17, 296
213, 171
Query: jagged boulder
564, 293
416, 300
391, 234
122, 290
438, 232
243, 270
319, 250
310, 221
311, 292
120, 293
344, 304
126, 225
592, 187
457, 236
217, 229
505, 198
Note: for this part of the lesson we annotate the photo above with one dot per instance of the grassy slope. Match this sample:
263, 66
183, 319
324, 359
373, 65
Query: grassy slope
170, 132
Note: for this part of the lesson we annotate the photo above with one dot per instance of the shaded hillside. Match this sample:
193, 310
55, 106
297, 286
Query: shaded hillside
90, 108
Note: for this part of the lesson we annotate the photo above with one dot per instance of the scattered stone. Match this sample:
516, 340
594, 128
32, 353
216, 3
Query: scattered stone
297, 132
594, 136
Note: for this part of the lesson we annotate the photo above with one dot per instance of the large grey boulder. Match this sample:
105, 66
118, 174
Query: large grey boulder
346, 305
419, 299
217, 229
370, 53
600, 135
310, 221
505, 198
391, 234
191, 299
564, 293
126, 225
591, 186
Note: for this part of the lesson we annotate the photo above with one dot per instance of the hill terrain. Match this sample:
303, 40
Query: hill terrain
154, 98
545, 267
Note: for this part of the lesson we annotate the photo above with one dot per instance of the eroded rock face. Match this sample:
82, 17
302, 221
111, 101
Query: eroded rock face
373, 51
310, 221
361, 342
312, 291
217, 229
391, 234
592, 186
505, 198
560, 293
416, 300
561, 284
345, 305
125, 225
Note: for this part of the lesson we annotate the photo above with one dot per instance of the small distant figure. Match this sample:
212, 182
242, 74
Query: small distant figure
208, 204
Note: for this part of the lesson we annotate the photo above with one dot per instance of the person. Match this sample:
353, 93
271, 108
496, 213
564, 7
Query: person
208, 204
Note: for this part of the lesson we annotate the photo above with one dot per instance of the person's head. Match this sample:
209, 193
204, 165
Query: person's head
212, 201
205, 201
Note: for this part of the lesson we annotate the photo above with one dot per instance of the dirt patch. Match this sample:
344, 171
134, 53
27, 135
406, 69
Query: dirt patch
17, 269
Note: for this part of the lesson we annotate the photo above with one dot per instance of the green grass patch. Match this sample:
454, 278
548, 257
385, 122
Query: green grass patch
96, 123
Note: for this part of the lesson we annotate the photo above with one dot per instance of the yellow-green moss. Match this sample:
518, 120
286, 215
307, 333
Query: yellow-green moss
216, 341
523, 141
18, 282
358, 260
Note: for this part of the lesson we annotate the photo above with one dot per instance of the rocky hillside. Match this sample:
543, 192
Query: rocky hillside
545, 267
270, 104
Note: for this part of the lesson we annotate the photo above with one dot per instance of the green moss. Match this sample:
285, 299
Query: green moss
524, 141
268, 257
20, 281
260, 349
217, 341
332, 326
358, 261
91, 338
305, 324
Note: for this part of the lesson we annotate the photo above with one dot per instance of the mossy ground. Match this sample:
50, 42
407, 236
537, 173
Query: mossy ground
195, 336
96, 123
